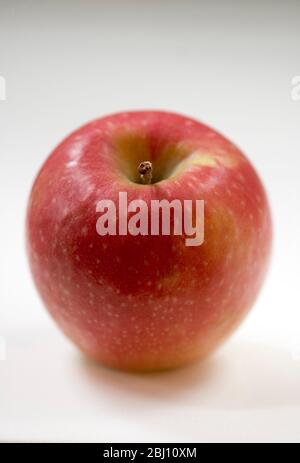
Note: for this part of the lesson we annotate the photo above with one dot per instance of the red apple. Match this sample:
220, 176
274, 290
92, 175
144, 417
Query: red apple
147, 302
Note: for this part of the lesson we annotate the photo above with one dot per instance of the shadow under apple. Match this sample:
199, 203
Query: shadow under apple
242, 375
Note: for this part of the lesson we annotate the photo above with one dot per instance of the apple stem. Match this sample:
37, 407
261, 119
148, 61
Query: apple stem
145, 170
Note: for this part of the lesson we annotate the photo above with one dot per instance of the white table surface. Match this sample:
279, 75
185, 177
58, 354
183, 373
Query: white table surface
228, 64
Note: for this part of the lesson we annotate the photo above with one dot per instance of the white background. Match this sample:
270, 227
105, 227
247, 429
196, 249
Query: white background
229, 64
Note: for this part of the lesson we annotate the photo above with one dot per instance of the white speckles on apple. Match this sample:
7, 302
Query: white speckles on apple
211, 134
66, 292
221, 151
84, 230
77, 258
110, 125
221, 283
71, 164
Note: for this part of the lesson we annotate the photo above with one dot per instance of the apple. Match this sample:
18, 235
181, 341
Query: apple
147, 302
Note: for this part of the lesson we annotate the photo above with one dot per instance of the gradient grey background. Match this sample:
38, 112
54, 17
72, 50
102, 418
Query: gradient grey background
229, 64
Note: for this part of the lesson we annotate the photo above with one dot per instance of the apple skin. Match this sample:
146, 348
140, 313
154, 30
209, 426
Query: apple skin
146, 303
